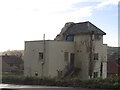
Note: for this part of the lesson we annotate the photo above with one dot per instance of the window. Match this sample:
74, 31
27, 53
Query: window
60, 73
70, 38
101, 69
97, 37
66, 55
11, 65
96, 56
95, 74
40, 55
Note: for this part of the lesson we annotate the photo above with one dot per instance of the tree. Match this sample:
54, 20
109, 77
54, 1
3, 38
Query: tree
18, 53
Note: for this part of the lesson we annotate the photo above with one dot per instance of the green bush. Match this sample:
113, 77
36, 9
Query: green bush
72, 82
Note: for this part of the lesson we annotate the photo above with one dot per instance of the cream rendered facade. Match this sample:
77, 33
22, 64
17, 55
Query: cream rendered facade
83, 56
53, 61
84, 52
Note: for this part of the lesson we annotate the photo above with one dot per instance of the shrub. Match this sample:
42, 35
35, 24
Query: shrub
72, 82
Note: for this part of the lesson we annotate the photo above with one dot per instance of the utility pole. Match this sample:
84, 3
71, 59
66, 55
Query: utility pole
44, 48
42, 63
91, 55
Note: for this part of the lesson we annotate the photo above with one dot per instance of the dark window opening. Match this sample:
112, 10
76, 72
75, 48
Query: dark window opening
66, 56
95, 74
96, 57
11, 65
97, 37
101, 69
60, 73
70, 38
72, 58
40, 55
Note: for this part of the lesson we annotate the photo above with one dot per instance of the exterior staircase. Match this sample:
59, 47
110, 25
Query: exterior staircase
71, 72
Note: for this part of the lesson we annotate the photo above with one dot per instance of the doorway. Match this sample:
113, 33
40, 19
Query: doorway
72, 59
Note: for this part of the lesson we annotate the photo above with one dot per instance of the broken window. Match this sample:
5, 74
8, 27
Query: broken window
70, 38
95, 74
66, 55
40, 55
96, 56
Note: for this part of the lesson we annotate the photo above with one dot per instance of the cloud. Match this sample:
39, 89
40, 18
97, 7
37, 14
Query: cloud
64, 7
107, 2
78, 14
30, 19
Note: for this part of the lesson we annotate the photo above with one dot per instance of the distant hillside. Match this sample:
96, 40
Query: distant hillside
18, 53
113, 53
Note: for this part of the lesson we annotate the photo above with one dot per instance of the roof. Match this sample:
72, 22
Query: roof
112, 67
12, 59
83, 28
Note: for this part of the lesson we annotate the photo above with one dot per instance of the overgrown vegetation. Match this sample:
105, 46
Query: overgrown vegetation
66, 82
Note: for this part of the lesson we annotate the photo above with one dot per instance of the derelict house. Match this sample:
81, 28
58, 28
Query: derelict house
77, 51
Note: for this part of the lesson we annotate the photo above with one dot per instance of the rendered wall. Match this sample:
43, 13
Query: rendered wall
82, 49
104, 61
0, 70
32, 63
82, 54
56, 56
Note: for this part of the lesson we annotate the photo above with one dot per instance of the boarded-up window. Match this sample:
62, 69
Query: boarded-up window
96, 57
40, 55
95, 74
66, 56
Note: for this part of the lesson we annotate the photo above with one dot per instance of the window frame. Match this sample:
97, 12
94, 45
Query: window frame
96, 56
41, 56
70, 37
95, 74
97, 37
66, 56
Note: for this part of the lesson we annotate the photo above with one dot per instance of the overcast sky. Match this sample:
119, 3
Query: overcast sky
25, 20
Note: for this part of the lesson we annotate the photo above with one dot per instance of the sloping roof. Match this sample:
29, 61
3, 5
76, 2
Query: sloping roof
83, 28
12, 59
112, 67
